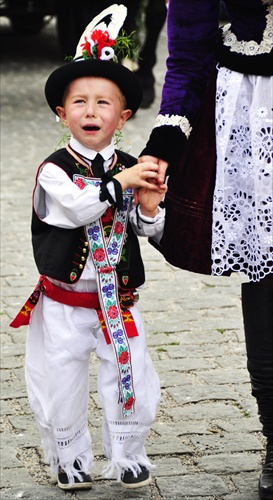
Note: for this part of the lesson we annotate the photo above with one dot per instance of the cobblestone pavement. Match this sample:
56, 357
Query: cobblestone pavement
206, 441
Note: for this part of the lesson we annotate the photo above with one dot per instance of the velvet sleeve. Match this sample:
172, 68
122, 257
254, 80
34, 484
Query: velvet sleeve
192, 28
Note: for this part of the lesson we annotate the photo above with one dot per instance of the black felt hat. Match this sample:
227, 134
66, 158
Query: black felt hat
95, 56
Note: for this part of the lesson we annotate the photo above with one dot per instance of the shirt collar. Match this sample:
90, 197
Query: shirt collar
90, 154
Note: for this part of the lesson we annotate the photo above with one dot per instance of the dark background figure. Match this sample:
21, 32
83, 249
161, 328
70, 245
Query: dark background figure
154, 17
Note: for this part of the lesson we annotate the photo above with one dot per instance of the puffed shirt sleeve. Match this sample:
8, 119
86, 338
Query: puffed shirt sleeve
59, 202
192, 28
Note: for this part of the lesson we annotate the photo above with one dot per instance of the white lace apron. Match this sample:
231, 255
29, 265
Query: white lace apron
242, 238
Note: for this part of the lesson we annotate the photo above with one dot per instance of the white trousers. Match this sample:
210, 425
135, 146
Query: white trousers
59, 342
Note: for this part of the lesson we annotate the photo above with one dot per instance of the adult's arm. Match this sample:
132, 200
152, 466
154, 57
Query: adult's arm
192, 28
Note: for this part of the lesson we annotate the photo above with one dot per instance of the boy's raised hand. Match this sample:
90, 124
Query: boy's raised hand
141, 175
149, 199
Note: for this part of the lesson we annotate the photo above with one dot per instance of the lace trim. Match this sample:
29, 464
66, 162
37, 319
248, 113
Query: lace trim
174, 121
251, 48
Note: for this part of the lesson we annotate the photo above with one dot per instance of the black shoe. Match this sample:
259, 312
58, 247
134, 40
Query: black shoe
266, 478
85, 484
128, 479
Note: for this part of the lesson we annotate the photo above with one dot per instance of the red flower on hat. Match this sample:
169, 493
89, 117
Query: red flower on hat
100, 39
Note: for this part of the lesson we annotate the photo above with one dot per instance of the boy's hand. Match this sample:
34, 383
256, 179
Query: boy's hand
149, 200
141, 175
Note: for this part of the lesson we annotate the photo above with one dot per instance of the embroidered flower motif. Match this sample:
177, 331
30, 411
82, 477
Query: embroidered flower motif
80, 183
123, 358
126, 381
107, 217
112, 312
129, 403
113, 250
99, 255
118, 228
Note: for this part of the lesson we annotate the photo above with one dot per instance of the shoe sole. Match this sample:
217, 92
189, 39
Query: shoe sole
75, 486
137, 485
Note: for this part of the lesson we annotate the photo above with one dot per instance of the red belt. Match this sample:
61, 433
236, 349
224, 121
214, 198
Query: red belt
75, 299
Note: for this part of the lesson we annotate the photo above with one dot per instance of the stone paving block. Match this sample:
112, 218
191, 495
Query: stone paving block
195, 351
226, 376
247, 424
171, 378
165, 446
234, 360
13, 389
247, 483
204, 411
168, 467
158, 339
197, 485
226, 443
225, 463
22, 439
35, 493
196, 393
111, 490
9, 458
189, 364
18, 479
6, 375
22, 422
185, 428
5, 408
13, 350
10, 363
249, 495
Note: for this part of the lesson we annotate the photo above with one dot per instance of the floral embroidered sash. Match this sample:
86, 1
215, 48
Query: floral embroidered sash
106, 255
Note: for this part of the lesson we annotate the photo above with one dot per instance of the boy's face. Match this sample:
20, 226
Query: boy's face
93, 109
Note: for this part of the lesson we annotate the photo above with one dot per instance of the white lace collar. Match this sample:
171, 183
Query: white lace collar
251, 48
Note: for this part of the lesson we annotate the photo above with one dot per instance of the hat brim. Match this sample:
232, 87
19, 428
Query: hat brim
120, 75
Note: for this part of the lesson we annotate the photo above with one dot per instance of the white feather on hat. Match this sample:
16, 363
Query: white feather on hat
117, 15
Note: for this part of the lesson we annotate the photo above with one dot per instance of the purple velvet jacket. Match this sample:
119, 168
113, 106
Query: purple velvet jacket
195, 45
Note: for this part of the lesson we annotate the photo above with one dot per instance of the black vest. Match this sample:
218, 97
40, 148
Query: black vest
61, 253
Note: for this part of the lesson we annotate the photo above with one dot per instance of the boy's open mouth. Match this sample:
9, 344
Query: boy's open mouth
90, 128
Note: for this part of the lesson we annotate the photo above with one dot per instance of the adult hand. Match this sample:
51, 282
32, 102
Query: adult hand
162, 167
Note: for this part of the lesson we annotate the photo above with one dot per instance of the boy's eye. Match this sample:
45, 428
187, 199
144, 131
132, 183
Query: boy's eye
103, 101
78, 101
